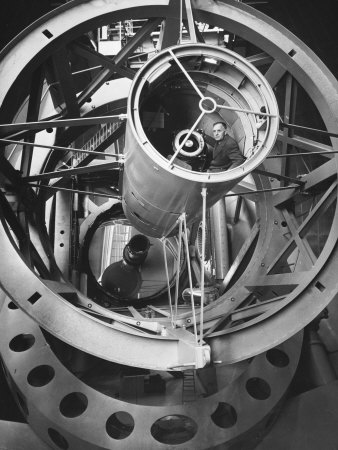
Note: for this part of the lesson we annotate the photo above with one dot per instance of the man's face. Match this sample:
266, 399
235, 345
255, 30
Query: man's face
219, 131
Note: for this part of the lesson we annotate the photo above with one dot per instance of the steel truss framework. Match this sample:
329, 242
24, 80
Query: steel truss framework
289, 274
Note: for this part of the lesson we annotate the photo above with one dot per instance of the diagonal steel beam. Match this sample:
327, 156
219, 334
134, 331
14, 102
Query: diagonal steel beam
320, 208
32, 115
135, 42
97, 58
65, 83
171, 26
26, 195
275, 73
29, 251
278, 176
191, 22
306, 144
58, 184
301, 242
318, 177
57, 147
68, 173
260, 59
6, 129
322, 205
113, 65
314, 180
252, 311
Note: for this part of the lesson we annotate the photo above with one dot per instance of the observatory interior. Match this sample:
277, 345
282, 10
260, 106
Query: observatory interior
169, 230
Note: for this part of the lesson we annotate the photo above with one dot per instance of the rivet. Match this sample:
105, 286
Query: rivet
275, 222
138, 323
89, 305
262, 264
232, 299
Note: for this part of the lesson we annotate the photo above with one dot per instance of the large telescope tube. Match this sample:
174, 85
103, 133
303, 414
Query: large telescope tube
189, 87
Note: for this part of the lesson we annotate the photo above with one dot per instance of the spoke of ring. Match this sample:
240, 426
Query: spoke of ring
192, 129
193, 84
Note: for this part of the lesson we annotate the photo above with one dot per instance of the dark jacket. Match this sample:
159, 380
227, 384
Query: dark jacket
226, 154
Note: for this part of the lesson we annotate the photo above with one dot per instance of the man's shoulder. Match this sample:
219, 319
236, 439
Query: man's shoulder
229, 140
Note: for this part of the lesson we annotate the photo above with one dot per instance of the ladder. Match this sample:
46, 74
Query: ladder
189, 391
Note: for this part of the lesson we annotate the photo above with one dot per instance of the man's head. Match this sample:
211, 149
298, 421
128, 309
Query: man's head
219, 129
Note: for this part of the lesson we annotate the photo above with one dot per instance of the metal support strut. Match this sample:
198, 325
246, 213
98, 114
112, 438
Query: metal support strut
204, 209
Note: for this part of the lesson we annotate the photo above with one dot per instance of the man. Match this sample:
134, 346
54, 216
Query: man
225, 154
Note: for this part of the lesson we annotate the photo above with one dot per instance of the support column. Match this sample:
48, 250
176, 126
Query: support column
219, 232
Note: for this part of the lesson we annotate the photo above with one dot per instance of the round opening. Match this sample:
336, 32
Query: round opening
277, 357
168, 96
58, 439
22, 342
74, 404
258, 388
172, 430
120, 425
191, 147
62, 245
283, 223
12, 305
225, 415
139, 243
40, 375
207, 105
